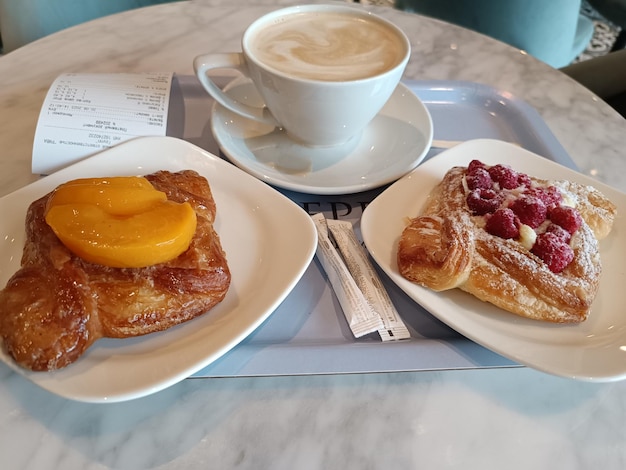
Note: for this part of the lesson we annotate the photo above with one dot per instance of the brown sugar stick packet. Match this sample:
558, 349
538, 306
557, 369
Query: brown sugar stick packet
367, 279
360, 316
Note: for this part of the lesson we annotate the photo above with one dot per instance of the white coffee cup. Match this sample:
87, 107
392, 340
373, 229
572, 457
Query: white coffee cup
323, 71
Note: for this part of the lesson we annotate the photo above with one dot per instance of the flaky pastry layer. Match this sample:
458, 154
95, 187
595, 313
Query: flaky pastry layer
447, 247
57, 304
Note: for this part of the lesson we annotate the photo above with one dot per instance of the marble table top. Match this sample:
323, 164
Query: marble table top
490, 418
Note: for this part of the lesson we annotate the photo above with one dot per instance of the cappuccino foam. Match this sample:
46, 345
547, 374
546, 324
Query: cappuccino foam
328, 46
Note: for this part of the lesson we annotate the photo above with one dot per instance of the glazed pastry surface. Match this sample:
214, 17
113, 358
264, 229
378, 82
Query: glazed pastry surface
57, 304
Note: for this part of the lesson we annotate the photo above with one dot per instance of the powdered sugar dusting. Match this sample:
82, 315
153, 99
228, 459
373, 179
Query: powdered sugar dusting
505, 272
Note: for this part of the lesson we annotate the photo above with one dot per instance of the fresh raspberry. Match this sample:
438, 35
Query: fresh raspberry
479, 178
567, 217
504, 175
550, 196
503, 223
531, 210
475, 165
524, 180
559, 232
553, 251
483, 201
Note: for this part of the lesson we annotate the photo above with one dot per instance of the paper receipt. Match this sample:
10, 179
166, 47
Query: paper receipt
85, 113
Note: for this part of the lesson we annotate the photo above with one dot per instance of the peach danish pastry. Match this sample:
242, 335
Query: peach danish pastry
112, 257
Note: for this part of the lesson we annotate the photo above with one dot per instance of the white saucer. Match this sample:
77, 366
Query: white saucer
393, 144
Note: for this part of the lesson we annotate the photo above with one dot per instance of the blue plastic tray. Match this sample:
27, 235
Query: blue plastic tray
308, 334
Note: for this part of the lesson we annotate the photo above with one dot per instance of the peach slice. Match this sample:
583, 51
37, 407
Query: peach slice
121, 223
123, 195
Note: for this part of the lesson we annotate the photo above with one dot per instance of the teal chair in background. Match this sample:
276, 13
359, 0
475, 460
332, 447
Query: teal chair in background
23, 21
553, 31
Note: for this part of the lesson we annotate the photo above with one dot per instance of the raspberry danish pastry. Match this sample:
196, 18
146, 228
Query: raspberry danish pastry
526, 245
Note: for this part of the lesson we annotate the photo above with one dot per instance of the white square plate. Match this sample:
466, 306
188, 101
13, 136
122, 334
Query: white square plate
269, 242
594, 350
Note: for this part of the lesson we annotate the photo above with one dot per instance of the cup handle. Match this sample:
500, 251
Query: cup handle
204, 63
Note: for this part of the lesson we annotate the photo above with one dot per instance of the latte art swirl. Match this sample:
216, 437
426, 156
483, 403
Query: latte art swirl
329, 47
